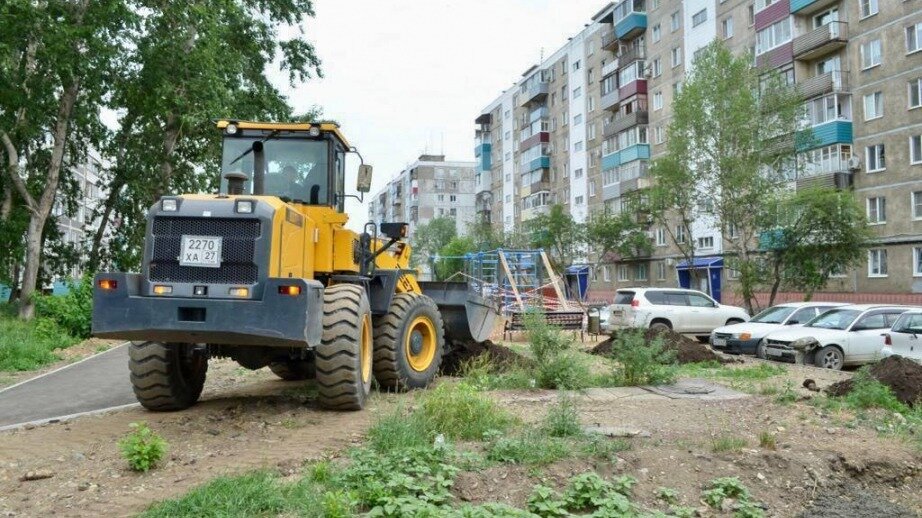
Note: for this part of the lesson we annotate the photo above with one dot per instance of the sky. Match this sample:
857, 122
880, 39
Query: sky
407, 77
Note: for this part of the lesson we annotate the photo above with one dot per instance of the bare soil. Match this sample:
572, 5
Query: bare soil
500, 356
687, 350
903, 376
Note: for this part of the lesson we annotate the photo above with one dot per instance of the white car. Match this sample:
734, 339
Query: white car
904, 338
847, 335
683, 311
744, 338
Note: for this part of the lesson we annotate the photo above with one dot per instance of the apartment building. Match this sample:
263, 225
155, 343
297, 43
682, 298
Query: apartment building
580, 128
429, 188
78, 227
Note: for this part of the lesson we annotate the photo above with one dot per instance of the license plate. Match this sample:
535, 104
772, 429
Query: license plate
720, 342
773, 352
202, 251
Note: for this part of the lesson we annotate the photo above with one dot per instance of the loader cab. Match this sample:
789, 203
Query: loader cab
299, 163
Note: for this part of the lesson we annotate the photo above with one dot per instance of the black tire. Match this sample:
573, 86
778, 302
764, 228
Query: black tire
830, 357
760, 350
403, 330
293, 370
166, 377
660, 326
343, 359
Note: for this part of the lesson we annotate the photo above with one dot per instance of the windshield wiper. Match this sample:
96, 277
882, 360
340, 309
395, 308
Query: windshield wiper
270, 136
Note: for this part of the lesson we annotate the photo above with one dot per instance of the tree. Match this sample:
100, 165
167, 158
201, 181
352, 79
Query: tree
558, 234
451, 257
59, 56
431, 237
723, 160
609, 233
810, 235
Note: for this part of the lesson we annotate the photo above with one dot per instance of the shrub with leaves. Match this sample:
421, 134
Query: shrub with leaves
142, 448
641, 362
562, 419
546, 502
587, 490
559, 366
72, 312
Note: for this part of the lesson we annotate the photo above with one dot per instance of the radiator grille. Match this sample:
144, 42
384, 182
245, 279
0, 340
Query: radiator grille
238, 261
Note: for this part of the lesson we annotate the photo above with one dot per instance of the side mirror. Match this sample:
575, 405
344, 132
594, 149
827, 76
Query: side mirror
363, 182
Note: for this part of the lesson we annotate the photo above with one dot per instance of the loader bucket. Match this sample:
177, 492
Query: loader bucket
467, 315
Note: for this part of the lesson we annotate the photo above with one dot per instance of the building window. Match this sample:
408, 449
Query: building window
656, 67
657, 33
875, 158
773, 36
578, 146
915, 93
578, 174
680, 234
726, 27
576, 65
641, 272
733, 274
592, 188
661, 237
873, 106
706, 242
917, 205
877, 210
868, 8
699, 17
917, 261
870, 54
915, 149
762, 4
623, 274
676, 21
606, 274
676, 56
659, 135
661, 270
877, 262
913, 38
577, 92
658, 100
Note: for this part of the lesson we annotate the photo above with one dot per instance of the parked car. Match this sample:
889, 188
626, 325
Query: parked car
683, 311
744, 338
904, 337
605, 323
847, 335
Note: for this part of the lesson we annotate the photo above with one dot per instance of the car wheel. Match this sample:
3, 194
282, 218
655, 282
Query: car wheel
760, 350
660, 327
830, 357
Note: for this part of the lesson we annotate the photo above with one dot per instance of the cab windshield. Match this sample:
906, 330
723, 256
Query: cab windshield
296, 169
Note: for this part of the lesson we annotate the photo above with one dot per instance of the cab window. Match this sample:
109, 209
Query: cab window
296, 168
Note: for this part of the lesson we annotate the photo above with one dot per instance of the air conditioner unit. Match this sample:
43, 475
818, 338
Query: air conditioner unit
854, 163
670, 261
648, 71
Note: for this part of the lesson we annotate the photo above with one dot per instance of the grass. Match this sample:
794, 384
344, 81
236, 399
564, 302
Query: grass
716, 370
728, 444
26, 346
768, 441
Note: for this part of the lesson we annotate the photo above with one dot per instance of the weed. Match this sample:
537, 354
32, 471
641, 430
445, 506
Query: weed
787, 395
558, 365
715, 369
398, 429
624, 484
728, 444
253, 494
723, 488
587, 490
870, 393
459, 411
73, 312
562, 419
682, 511
768, 390
321, 472
641, 362
767, 440
530, 447
603, 448
668, 495
546, 502
142, 448
337, 504
29, 345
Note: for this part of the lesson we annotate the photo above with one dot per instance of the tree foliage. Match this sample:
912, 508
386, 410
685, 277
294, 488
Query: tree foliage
559, 235
431, 237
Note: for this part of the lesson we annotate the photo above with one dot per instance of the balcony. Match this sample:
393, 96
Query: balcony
610, 100
542, 162
810, 6
825, 134
627, 121
530, 141
484, 202
839, 180
631, 26
626, 155
609, 40
776, 57
631, 54
611, 67
821, 41
536, 92
830, 82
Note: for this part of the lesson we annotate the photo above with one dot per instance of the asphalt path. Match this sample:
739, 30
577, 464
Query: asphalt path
97, 383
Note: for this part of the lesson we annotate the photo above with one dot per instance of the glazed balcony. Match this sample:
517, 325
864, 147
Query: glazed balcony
810, 6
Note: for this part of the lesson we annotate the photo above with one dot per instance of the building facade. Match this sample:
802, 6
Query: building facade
78, 227
429, 188
580, 128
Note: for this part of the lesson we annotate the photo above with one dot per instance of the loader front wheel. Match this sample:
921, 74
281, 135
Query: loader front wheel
409, 341
167, 376
343, 359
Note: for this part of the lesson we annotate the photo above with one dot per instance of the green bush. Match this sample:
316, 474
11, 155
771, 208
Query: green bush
29, 345
73, 312
562, 419
558, 365
459, 411
142, 448
641, 362
870, 393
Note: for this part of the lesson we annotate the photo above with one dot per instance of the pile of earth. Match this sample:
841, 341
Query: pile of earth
501, 357
903, 376
687, 350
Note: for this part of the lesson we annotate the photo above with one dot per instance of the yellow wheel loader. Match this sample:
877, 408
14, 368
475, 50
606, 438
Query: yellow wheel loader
265, 273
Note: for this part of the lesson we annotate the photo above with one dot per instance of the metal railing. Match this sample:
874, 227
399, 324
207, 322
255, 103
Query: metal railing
832, 32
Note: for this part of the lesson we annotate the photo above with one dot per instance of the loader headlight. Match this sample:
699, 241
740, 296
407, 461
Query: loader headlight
314, 131
244, 207
231, 129
169, 204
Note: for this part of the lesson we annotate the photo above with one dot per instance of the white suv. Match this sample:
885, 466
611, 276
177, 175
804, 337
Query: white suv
683, 311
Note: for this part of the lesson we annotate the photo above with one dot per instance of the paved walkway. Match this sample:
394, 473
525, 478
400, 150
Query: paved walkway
96, 383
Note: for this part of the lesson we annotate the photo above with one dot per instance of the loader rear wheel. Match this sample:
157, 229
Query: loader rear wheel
343, 358
293, 370
409, 341
167, 376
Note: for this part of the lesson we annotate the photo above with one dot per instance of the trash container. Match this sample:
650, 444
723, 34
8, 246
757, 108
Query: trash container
595, 321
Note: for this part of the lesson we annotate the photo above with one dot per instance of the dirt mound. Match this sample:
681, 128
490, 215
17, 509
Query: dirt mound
687, 350
501, 357
857, 504
903, 376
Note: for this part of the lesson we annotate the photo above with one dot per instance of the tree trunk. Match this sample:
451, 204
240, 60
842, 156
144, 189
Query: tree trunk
170, 137
776, 284
6, 206
108, 207
42, 208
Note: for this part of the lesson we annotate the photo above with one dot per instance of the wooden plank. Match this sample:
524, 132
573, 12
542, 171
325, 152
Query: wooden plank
564, 303
515, 289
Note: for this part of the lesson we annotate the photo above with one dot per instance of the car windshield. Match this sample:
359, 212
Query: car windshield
834, 319
774, 315
296, 169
